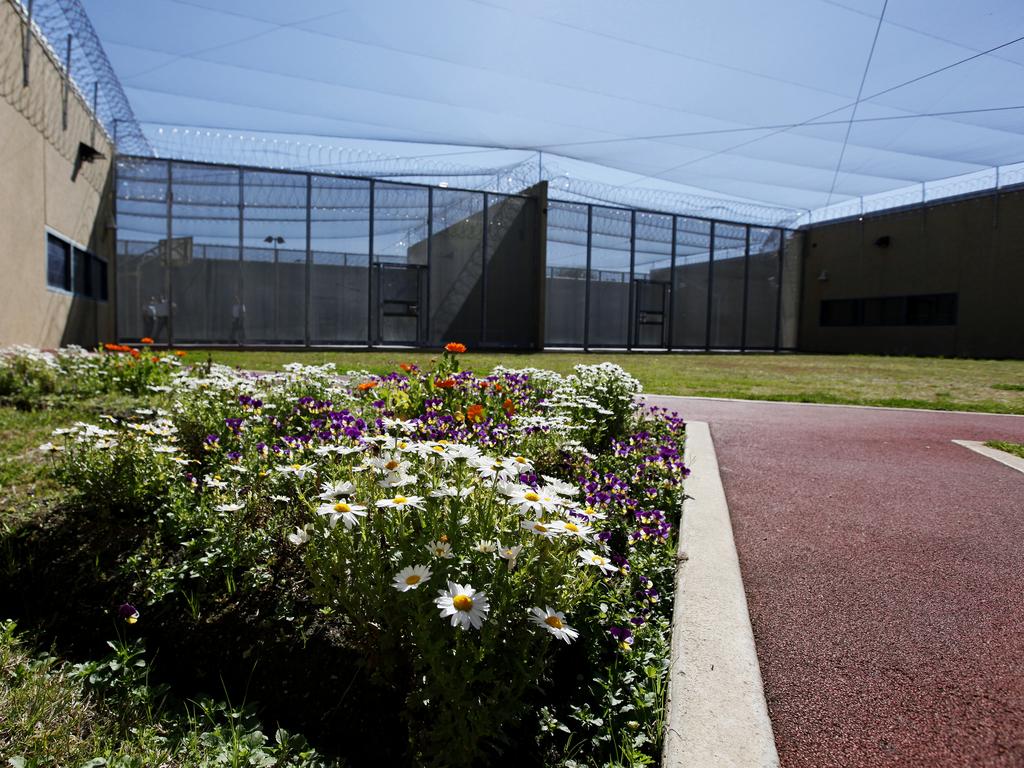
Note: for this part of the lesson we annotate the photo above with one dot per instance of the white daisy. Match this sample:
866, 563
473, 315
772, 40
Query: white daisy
401, 502
547, 530
50, 448
212, 481
560, 487
526, 499
554, 622
494, 469
486, 547
299, 470
450, 491
521, 463
510, 554
592, 558
331, 491
396, 480
462, 451
569, 528
466, 607
300, 537
411, 577
391, 464
440, 549
229, 507
342, 510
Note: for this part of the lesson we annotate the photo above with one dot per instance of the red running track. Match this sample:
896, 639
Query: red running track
884, 571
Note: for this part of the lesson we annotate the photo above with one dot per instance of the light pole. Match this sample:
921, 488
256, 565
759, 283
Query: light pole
276, 241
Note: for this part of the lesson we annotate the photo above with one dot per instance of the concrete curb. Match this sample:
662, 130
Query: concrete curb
1013, 462
716, 711
828, 405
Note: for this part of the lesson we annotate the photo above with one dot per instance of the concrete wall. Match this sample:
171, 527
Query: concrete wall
37, 161
973, 247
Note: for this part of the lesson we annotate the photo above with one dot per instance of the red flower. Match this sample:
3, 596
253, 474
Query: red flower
475, 412
508, 406
407, 367
180, 352
367, 385
455, 347
444, 383
146, 340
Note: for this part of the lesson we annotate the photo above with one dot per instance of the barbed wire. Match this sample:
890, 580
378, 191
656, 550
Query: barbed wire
91, 72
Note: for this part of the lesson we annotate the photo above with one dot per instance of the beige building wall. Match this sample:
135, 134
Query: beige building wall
37, 193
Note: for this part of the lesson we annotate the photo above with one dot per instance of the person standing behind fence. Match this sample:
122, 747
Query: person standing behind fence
149, 318
237, 321
162, 312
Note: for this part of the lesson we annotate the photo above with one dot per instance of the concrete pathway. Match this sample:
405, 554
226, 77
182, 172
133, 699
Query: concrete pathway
884, 571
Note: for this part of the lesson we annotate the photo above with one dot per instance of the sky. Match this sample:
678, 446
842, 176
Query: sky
794, 104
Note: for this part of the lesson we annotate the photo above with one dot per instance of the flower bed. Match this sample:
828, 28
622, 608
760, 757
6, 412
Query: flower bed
496, 553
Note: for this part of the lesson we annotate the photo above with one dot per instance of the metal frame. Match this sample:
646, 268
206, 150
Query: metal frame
373, 331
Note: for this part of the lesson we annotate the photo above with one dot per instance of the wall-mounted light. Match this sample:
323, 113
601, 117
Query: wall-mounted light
823, 277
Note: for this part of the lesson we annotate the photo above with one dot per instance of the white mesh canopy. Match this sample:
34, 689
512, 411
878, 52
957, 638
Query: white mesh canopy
795, 108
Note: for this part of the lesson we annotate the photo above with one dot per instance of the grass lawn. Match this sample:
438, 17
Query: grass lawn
1017, 449
994, 386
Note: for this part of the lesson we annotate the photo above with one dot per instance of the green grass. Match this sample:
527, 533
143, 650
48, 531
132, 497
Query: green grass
1017, 449
993, 386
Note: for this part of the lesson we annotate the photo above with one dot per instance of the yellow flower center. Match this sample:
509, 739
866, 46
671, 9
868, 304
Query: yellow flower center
540, 527
519, 460
462, 602
414, 578
296, 466
572, 527
399, 500
391, 465
531, 496
553, 621
342, 507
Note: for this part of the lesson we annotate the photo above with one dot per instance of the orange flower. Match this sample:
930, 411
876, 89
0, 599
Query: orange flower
180, 352
146, 340
475, 412
154, 359
135, 353
508, 406
407, 367
484, 384
497, 387
444, 383
367, 385
455, 347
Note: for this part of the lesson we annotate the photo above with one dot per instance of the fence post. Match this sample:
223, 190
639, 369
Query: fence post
67, 86
26, 47
309, 251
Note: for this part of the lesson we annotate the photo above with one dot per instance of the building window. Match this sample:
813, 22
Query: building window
70, 268
83, 272
930, 309
58, 263
99, 278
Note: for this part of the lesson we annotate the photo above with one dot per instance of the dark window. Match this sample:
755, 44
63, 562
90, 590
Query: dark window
840, 312
933, 309
58, 263
939, 309
83, 272
99, 278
